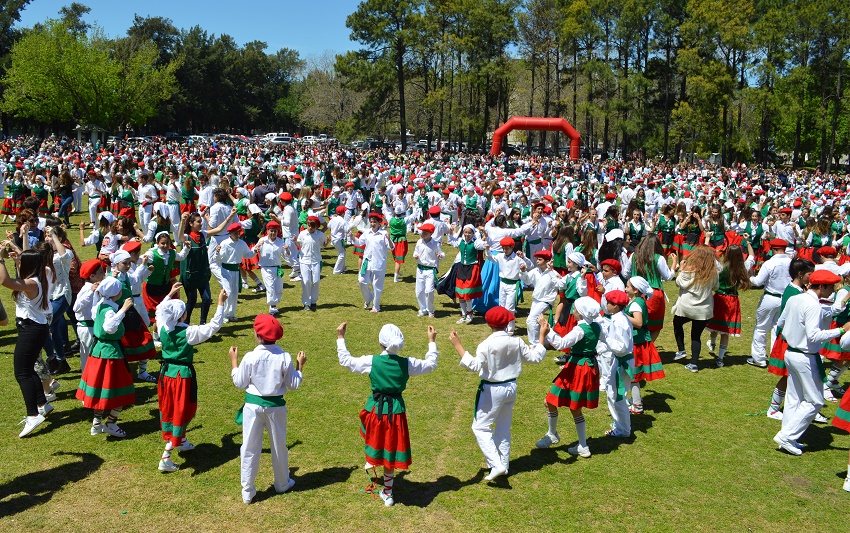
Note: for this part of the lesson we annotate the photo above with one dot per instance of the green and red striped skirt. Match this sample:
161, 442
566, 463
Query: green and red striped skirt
137, 342
577, 385
106, 384
656, 307
468, 282
776, 360
358, 250
386, 443
832, 348
178, 403
727, 315
647, 362
842, 414
400, 251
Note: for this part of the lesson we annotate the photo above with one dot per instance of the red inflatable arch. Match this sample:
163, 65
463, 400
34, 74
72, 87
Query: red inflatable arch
537, 124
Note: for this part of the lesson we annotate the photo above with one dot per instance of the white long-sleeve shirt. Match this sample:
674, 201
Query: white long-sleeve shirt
570, 339
232, 252
113, 317
267, 370
803, 323
508, 266
546, 284
338, 228
428, 253
84, 304
617, 335
773, 275
271, 252
499, 357
363, 364
311, 246
198, 334
376, 245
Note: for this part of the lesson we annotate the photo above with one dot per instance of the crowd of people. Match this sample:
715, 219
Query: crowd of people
592, 242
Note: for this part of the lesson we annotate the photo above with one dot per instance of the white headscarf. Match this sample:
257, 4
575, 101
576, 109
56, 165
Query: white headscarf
160, 234
614, 234
391, 338
641, 285
118, 256
108, 289
168, 313
577, 258
588, 308
108, 216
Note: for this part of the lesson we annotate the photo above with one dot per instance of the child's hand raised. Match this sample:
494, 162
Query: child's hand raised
432, 334
234, 355
222, 297
340, 330
301, 358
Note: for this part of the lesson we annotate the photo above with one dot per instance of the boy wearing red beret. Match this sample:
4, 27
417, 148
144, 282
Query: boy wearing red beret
229, 254
84, 307
265, 374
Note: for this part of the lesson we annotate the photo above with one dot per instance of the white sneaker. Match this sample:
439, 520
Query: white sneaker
461, 320
679, 355
787, 446
55, 385
820, 419
711, 345
185, 446
579, 450
497, 471
847, 483
469, 318
776, 415
388, 498
289, 485
50, 396
97, 430
548, 440
273, 311
827, 394
296, 278
30, 423
114, 430
753, 362
46, 409
166, 465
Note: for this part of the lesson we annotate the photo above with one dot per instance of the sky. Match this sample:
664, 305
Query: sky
311, 27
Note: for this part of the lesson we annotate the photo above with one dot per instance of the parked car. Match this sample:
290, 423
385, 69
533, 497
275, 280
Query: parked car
280, 141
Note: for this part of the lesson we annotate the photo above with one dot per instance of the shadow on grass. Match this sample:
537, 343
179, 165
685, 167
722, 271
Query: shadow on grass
657, 402
59, 418
207, 456
320, 478
535, 460
399, 308
422, 493
819, 437
335, 305
640, 423
36, 488
140, 428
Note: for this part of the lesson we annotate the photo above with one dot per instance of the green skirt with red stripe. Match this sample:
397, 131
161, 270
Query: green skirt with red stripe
576, 386
647, 362
776, 361
832, 349
386, 443
106, 384
656, 307
842, 414
468, 282
727, 315
400, 251
178, 403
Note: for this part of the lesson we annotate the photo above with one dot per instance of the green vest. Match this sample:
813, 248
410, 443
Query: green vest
252, 234
468, 253
666, 225
640, 335
587, 345
106, 345
570, 290
161, 268
389, 376
177, 352
126, 289
398, 229
195, 269
653, 277
242, 206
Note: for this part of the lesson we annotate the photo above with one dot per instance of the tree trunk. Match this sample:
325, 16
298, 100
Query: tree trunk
835, 111
402, 115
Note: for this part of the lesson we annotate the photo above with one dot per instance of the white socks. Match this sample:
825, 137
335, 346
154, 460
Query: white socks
552, 417
581, 429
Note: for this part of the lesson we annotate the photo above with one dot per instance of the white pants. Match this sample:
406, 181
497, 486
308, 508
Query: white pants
531, 325
425, 289
254, 419
86, 337
507, 299
339, 266
310, 275
93, 203
619, 409
767, 314
231, 286
78, 200
492, 424
294, 257
215, 267
145, 214
174, 210
803, 395
273, 284
372, 286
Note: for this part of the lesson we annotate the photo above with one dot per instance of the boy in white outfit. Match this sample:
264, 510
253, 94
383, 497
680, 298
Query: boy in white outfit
265, 374
272, 251
85, 308
427, 254
509, 271
376, 246
615, 354
546, 282
229, 254
311, 241
339, 227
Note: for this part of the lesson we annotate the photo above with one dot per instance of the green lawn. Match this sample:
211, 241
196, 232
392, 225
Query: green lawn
699, 460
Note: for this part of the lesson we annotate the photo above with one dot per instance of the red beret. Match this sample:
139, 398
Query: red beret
409, 188
420, 185
798, 202
617, 297
823, 277
614, 264
285, 196
498, 192
340, 210
507, 241
538, 204
828, 251
610, 196
132, 246
434, 210
89, 267
268, 328
350, 184
786, 210
548, 198
778, 243
236, 226
498, 317
314, 218
376, 215
545, 254
273, 225
427, 227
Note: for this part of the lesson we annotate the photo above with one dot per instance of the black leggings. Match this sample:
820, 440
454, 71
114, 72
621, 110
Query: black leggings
28, 346
696, 332
192, 300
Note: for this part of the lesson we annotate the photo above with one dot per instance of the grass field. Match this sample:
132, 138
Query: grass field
700, 458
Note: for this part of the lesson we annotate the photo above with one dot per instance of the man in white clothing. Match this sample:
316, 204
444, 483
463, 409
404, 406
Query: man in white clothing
546, 282
498, 361
289, 232
376, 246
774, 277
265, 374
311, 241
339, 227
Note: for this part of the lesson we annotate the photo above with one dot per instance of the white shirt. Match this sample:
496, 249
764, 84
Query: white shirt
363, 365
499, 357
311, 246
617, 336
338, 228
32, 309
428, 253
84, 304
803, 323
205, 195
376, 245
62, 267
267, 370
773, 275
509, 266
546, 284
232, 252
288, 222
271, 252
